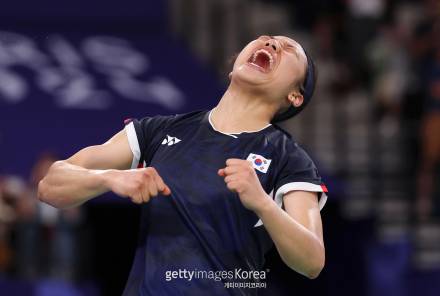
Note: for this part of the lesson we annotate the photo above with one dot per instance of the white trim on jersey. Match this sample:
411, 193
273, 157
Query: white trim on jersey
134, 144
232, 134
302, 186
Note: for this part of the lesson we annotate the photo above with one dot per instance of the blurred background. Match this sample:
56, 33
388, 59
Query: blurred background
70, 73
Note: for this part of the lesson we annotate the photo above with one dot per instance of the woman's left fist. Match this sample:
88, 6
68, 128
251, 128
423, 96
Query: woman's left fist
240, 177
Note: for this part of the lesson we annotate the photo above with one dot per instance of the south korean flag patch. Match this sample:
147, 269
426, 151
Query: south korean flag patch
259, 162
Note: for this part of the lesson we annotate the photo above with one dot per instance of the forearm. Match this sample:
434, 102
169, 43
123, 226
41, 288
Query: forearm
67, 185
299, 247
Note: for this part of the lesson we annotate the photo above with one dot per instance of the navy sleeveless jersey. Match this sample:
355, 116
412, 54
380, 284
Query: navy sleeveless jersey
202, 226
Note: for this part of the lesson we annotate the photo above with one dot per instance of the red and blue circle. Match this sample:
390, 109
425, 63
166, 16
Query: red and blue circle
258, 161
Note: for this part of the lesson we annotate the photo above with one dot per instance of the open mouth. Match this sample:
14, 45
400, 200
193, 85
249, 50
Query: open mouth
262, 60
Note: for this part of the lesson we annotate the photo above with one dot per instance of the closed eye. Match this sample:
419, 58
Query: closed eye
290, 47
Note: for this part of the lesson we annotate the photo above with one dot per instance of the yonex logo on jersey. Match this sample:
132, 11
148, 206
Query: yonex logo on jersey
259, 162
170, 140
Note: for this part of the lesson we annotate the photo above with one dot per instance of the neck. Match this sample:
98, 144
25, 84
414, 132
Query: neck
240, 111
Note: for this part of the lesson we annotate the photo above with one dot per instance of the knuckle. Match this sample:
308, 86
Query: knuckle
137, 185
151, 170
147, 176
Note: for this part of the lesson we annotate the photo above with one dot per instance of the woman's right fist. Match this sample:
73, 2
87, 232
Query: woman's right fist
137, 184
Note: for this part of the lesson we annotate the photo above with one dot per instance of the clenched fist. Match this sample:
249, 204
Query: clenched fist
240, 177
138, 184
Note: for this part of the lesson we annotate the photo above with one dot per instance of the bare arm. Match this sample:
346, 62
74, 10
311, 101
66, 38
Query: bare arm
98, 169
297, 232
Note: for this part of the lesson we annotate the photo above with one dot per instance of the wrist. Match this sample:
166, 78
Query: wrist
266, 205
106, 178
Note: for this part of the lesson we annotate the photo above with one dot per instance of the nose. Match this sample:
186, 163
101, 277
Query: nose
272, 43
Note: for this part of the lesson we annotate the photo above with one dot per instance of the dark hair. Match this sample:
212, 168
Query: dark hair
307, 88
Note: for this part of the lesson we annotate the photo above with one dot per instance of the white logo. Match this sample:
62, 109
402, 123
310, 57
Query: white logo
170, 140
259, 162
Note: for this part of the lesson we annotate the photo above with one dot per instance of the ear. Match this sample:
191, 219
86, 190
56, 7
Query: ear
230, 75
295, 98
